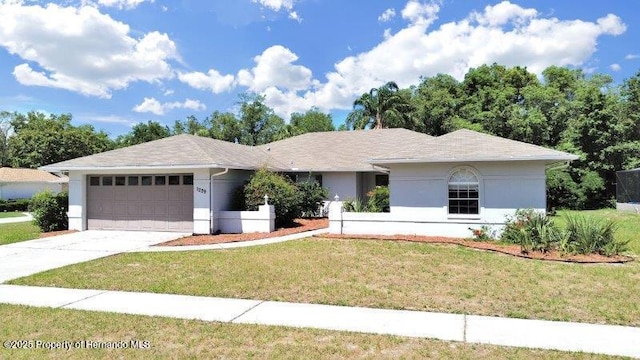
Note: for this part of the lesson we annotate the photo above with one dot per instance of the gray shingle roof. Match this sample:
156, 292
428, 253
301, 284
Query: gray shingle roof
341, 150
322, 151
13, 175
467, 145
175, 151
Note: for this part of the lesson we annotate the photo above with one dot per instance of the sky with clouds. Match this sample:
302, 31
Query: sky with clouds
113, 63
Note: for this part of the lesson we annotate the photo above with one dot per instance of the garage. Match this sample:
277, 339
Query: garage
158, 202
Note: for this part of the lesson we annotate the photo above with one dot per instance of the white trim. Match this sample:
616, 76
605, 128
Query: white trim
472, 159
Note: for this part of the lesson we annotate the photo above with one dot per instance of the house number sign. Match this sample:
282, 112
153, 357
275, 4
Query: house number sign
201, 190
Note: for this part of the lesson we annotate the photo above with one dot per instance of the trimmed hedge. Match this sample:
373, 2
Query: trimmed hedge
50, 210
14, 205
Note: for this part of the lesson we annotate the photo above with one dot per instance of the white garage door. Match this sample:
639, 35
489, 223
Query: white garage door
140, 202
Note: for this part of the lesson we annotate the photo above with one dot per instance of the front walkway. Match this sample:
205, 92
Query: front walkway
26, 217
602, 339
233, 245
34, 256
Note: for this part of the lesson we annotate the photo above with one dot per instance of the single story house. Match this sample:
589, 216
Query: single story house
182, 183
24, 183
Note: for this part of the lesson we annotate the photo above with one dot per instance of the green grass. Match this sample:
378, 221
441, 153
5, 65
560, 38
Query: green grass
16, 232
628, 224
381, 274
178, 339
10, 214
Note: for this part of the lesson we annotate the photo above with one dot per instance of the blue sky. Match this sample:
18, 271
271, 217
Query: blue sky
113, 63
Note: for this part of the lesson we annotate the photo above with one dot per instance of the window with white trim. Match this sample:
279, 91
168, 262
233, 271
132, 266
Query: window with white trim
464, 193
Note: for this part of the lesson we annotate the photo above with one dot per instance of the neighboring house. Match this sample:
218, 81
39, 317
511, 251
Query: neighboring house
24, 183
181, 183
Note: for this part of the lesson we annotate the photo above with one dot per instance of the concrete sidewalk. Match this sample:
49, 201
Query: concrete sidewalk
232, 245
601, 339
17, 219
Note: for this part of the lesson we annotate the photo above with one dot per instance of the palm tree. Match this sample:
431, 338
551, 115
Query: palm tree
381, 107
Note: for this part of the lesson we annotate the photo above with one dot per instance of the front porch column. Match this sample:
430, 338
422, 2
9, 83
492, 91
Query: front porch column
77, 213
201, 202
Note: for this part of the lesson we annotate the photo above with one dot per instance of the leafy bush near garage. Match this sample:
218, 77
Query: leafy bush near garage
283, 195
312, 196
14, 205
49, 210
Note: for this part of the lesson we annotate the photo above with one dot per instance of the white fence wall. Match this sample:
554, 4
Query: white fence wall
350, 223
236, 222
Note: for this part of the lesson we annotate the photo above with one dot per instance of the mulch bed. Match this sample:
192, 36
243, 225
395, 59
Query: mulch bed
56, 233
513, 250
299, 225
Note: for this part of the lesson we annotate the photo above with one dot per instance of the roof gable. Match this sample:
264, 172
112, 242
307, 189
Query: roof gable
13, 175
468, 145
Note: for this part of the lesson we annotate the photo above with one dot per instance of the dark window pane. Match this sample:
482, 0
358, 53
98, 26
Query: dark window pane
120, 181
133, 180
473, 194
94, 181
187, 180
382, 180
319, 179
174, 180
107, 181
146, 180
161, 180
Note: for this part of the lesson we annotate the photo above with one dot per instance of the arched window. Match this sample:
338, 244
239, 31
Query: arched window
464, 193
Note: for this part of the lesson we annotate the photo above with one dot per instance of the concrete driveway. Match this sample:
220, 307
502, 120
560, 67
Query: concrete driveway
34, 256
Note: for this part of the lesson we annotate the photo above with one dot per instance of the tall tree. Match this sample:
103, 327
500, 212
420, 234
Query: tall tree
41, 139
259, 124
143, 132
190, 126
311, 121
225, 126
437, 102
381, 107
5, 131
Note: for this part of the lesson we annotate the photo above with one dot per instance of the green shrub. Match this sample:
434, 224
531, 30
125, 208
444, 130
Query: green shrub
354, 205
533, 231
484, 233
587, 235
282, 192
14, 205
378, 199
50, 210
312, 196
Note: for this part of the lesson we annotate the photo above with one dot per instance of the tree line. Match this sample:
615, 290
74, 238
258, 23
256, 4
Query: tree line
564, 109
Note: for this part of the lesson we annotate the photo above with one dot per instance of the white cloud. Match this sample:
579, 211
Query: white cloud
81, 49
293, 15
108, 119
417, 12
632, 57
212, 81
506, 33
275, 68
168, 92
387, 15
615, 67
278, 5
154, 106
123, 4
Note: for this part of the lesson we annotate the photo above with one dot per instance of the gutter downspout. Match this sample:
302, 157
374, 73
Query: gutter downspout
226, 170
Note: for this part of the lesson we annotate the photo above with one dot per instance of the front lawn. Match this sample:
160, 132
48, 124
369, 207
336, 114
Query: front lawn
628, 224
180, 339
381, 274
15, 232
10, 214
